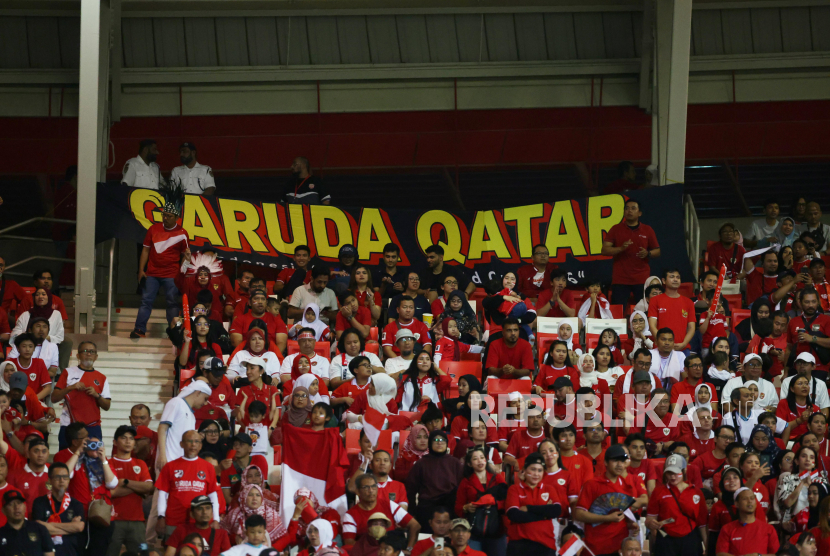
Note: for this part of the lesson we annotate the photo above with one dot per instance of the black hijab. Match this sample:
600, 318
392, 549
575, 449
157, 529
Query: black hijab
221, 447
432, 436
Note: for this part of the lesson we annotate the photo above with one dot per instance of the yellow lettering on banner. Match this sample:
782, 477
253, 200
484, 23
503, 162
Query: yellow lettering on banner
523, 217
319, 215
137, 199
486, 235
296, 219
195, 209
597, 223
563, 231
371, 224
235, 228
452, 248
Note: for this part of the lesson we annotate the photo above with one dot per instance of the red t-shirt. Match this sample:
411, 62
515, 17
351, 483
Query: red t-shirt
522, 444
758, 284
687, 508
519, 356
275, 325
672, 312
628, 267
36, 372
361, 298
697, 447
683, 388
394, 491
566, 489
555, 310
356, 519
748, 538
530, 284
418, 328
709, 464
183, 480
13, 292
548, 375
580, 468
733, 258
605, 538
32, 485
716, 328
363, 316
166, 248
231, 477
249, 393
286, 274
521, 494
784, 412
81, 406
350, 389
666, 433
221, 396
820, 323
128, 508
221, 540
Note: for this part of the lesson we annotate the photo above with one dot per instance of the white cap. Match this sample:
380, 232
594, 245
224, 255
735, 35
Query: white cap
403, 333
256, 361
750, 356
513, 396
807, 357
675, 463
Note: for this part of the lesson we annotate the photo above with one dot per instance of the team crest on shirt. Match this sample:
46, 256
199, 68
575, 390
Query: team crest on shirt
392, 496
48, 486
561, 482
313, 363
178, 473
545, 496
685, 313
816, 327
215, 286
70, 514
221, 397
33, 537
576, 466
311, 186
136, 469
254, 436
666, 431
696, 499
96, 382
762, 395
33, 376
201, 475
759, 496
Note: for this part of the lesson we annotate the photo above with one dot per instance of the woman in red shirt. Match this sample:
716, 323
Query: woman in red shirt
558, 477
532, 506
674, 499
268, 394
189, 350
414, 448
797, 406
361, 285
480, 480
421, 383
556, 364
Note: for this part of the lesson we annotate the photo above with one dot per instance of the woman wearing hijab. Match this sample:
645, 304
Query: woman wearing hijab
642, 305
41, 307
252, 502
414, 448
459, 310
300, 368
762, 442
252, 475
588, 376
256, 345
434, 479
316, 389
640, 336
453, 406
212, 440
787, 232
320, 536
298, 413
379, 396
747, 328
311, 319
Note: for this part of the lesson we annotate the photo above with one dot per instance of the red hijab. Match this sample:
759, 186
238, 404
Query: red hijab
295, 367
259, 332
45, 311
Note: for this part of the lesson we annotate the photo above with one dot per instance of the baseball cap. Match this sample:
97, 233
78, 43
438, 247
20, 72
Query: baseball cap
378, 515
258, 291
640, 376
534, 458
189, 145
675, 463
243, 438
347, 250
11, 496
18, 381
562, 382
200, 501
402, 334
806, 356
615, 451
216, 367
461, 522
750, 356
254, 361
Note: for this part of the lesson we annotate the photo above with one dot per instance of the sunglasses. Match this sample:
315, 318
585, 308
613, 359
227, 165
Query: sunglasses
95, 445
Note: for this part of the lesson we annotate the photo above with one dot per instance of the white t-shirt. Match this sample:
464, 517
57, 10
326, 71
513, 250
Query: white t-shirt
303, 295
179, 417
194, 180
671, 367
137, 173
767, 396
245, 549
319, 365
339, 367
396, 365
745, 427
761, 230
235, 368
820, 394
46, 351
75, 374
259, 434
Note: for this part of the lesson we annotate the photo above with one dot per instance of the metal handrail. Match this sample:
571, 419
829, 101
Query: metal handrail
109, 289
37, 219
39, 257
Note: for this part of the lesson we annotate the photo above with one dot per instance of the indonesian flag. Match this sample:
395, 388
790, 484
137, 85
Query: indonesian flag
317, 461
373, 423
571, 547
813, 476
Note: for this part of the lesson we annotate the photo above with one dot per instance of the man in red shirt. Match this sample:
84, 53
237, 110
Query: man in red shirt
510, 356
556, 300
440, 524
449, 285
392, 490
134, 483
162, 252
33, 477
11, 290
757, 283
672, 310
232, 475
222, 401
217, 285
727, 252
632, 244
4, 485
693, 365
355, 522
460, 537
525, 441
242, 291
532, 279
578, 466
627, 174
606, 532
182, 480
809, 330
747, 534
712, 461
702, 437
277, 332
406, 319
201, 513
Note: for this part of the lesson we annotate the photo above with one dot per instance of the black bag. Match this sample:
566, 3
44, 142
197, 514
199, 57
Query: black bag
486, 522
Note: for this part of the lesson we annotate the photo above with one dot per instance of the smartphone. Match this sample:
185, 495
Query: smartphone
439, 543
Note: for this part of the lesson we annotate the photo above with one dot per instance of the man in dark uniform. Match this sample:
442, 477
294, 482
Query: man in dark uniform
20, 536
303, 188
63, 515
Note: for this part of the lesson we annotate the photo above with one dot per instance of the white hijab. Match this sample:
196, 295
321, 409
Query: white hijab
587, 379
707, 405
4, 386
305, 381
318, 325
385, 390
569, 341
324, 531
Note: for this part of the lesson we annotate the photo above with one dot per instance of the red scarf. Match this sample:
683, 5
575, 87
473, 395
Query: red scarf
55, 516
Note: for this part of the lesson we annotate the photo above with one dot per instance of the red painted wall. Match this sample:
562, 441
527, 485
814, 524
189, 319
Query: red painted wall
767, 131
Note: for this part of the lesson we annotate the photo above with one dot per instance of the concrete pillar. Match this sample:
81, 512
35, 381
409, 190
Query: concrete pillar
674, 31
92, 149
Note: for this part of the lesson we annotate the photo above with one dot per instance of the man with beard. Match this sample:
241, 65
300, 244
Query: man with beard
303, 188
277, 333
314, 292
194, 177
809, 333
142, 171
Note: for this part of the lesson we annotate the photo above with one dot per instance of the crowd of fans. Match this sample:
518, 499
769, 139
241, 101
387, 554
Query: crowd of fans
689, 433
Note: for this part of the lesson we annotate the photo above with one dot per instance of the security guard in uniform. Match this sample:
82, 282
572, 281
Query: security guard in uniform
19, 535
142, 171
194, 177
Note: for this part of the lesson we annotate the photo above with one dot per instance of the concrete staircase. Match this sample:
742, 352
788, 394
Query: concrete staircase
138, 371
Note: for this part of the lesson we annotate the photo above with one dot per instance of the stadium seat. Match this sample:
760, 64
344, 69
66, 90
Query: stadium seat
457, 369
277, 455
687, 289
373, 334
373, 347
411, 415
352, 441
496, 386
323, 349
385, 441
618, 311
739, 315
543, 342
735, 301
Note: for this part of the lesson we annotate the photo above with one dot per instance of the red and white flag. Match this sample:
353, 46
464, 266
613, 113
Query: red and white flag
571, 547
373, 423
317, 461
